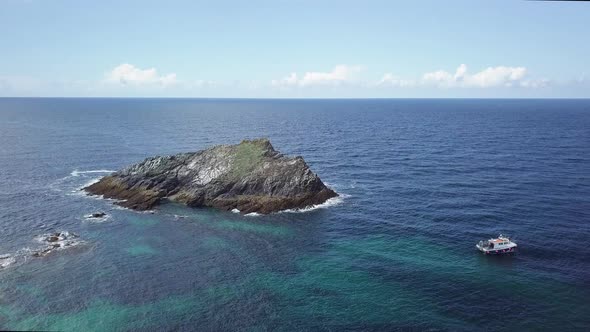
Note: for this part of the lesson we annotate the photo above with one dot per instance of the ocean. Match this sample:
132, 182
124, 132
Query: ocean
420, 183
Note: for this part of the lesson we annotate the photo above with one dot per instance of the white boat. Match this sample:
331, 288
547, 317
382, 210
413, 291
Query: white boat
500, 245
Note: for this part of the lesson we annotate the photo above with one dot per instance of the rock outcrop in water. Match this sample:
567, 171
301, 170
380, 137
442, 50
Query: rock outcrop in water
251, 177
57, 240
96, 215
49, 243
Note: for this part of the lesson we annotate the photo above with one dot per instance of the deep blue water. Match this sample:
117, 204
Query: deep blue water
422, 181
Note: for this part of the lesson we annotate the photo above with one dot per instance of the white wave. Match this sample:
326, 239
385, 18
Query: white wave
49, 242
77, 172
123, 208
336, 187
88, 218
78, 190
91, 182
6, 260
330, 202
329, 184
56, 241
102, 198
71, 183
117, 206
16, 258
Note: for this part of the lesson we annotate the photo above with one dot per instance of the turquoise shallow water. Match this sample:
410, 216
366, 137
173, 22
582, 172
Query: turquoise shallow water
421, 183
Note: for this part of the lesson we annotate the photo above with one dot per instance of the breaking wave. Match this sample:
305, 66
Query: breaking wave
329, 203
6, 260
50, 242
73, 183
77, 173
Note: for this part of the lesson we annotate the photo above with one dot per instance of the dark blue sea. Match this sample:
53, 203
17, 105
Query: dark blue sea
421, 182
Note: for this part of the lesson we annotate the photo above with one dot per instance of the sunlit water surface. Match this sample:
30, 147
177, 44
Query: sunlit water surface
420, 182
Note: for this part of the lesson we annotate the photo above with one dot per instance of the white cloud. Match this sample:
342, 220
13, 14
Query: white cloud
341, 80
539, 83
461, 71
489, 77
439, 77
497, 76
127, 74
288, 80
391, 80
19, 84
340, 74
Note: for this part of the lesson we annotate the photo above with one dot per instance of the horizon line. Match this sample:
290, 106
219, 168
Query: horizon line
303, 98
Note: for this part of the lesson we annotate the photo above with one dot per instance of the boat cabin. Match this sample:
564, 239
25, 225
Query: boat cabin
498, 243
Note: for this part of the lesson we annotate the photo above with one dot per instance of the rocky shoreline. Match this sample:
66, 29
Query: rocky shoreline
250, 176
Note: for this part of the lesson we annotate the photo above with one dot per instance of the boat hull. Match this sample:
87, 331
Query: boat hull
502, 251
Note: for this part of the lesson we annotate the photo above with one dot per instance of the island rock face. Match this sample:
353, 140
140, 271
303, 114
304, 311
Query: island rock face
251, 177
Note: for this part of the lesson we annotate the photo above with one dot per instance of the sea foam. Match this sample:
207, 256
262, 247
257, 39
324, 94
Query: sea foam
328, 203
77, 172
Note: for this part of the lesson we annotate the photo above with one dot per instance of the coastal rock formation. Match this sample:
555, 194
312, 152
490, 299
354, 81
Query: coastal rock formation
251, 177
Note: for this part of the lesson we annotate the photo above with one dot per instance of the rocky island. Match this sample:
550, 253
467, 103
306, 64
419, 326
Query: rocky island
250, 177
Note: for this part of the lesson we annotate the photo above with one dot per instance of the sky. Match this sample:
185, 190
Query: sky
295, 49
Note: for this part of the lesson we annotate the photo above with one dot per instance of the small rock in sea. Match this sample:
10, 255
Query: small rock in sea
49, 242
42, 252
53, 238
97, 215
57, 240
